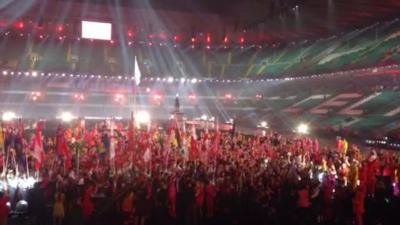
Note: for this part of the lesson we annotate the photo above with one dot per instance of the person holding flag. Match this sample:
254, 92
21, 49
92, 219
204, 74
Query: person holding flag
38, 152
112, 145
62, 148
217, 139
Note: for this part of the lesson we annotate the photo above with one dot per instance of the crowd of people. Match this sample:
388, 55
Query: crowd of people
115, 173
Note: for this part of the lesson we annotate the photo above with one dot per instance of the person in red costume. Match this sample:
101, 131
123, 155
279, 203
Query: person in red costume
373, 168
304, 204
211, 193
363, 175
328, 189
88, 206
172, 198
200, 200
4, 209
358, 205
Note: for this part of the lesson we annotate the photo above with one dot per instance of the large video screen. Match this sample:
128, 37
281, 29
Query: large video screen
96, 30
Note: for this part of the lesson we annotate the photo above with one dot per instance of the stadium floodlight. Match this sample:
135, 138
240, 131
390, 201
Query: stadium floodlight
302, 129
66, 117
142, 117
204, 117
8, 116
264, 124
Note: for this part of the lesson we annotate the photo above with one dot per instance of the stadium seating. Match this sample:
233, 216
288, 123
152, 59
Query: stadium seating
374, 45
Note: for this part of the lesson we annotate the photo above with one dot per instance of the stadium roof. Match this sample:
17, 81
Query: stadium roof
274, 20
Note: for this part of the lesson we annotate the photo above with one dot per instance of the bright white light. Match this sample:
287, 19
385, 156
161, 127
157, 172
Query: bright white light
23, 183
34, 74
183, 80
96, 30
194, 80
5, 72
170, 79
263, 124
204, 117
66, 117
321, 177
23, 202
142, 117
13, 183
302, 128
8, 116
30, 181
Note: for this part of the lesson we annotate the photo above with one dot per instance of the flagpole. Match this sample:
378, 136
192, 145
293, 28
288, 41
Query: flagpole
111, 147
77, 159
77, 154
3, 140
5, 156
137, 75
5, 169
27, 164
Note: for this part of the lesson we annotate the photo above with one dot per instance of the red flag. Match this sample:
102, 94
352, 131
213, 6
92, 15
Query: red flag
79, 132
194, 154
131, 134
217, 139
62, 148
112, 140
38, 152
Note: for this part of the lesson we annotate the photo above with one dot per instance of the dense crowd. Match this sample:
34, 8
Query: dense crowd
116, 174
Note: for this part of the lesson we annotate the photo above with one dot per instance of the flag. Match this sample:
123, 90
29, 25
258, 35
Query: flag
20, 141
217, 137
137, 73
147, 155
38, 152
194, 131
81, 130
131, 134
233, 128
112, 141
177, 133
194, 153
171, 138
62, 147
